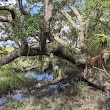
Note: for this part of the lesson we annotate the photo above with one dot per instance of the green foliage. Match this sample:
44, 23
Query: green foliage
27, 26
4, 51
97, 13
4, 12
9, 49
23, 26
96, 5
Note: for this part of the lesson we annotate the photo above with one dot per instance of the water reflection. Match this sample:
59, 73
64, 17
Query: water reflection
39, 76
45, 76
3, 100
20, 97
31, 75
16, 97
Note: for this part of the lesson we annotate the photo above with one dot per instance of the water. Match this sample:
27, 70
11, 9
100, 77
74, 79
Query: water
20, 97
45, 76
16, 97
34, 77
39, 76
54, 88
31, 75
3, 100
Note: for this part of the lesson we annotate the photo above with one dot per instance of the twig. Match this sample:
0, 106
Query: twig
104, 70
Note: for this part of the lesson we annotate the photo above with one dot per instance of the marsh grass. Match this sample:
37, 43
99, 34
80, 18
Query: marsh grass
79, 88
9, 80
57, 102
83, 100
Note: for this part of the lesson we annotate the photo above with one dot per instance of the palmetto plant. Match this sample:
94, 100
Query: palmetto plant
98, 42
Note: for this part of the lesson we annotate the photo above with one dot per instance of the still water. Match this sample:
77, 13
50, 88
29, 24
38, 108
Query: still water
34, 77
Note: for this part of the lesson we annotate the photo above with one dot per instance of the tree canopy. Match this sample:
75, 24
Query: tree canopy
66, 29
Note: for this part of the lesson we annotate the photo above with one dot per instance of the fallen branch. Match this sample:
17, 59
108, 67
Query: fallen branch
63, 80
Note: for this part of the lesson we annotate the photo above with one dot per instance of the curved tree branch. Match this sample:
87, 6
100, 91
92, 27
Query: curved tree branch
81, 25
11, 11
23, 51
5, 19
8, 58
69, 18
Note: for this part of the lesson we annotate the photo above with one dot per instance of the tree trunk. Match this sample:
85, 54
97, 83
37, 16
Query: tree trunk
47, 20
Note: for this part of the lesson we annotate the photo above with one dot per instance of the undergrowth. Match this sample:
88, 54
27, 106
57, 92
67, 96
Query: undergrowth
9, 79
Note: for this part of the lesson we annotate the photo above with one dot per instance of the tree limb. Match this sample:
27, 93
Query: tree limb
21, 8
81, 25
65, 14
61, 41
8, 58
11, 11
45, 34
23, 51
5, 19
75, 11
66, 79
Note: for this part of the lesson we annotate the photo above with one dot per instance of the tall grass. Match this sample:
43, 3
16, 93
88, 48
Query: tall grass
8, 80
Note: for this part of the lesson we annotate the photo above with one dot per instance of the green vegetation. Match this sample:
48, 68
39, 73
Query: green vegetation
9, 49
5, 51
78, 35
79, 87
10, 80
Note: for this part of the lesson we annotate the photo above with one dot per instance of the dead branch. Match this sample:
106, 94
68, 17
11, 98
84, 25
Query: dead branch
66, 79
103, 70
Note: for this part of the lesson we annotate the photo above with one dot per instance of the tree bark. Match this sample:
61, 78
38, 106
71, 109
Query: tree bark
11, 11
23, 51
47, 20
81, 25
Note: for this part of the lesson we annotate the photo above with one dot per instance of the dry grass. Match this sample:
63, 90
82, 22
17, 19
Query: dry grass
86, 99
